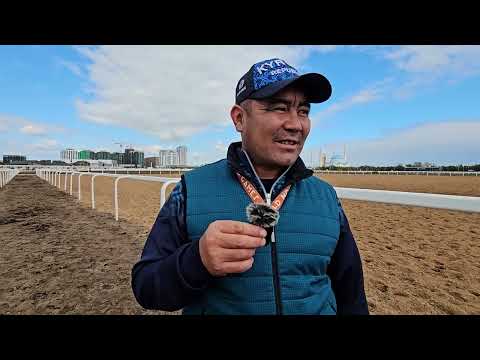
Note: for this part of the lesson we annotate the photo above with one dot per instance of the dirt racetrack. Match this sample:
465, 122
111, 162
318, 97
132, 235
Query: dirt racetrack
449, 185
139, 201
62, 258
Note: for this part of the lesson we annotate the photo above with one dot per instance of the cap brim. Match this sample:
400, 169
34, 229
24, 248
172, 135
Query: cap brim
316, 87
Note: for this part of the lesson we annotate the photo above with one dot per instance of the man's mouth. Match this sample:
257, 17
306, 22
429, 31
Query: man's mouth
287, 142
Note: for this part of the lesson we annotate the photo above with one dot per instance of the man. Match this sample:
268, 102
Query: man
202, 253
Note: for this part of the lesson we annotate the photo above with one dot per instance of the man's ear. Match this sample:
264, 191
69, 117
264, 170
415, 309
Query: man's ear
238, 117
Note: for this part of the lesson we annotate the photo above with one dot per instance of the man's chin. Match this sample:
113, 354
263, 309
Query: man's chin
287, 161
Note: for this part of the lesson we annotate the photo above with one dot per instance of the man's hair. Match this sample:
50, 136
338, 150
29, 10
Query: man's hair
246, 105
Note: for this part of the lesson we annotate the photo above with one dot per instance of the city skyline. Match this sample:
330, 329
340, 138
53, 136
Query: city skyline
163, 158
390, 104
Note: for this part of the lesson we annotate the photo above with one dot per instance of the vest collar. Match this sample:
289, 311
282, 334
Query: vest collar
238, 162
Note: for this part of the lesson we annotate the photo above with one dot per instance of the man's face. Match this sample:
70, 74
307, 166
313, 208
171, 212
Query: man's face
274, 130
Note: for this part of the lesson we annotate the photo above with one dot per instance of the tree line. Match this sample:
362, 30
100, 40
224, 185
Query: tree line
406, 167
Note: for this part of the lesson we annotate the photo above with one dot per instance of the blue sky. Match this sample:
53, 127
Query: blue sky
390, 104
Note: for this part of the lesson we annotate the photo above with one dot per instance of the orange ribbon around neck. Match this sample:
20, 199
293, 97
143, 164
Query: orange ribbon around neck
257, 198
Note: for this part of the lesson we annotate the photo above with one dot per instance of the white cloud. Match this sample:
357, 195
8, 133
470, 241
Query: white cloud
421, 67
221, 147
426, 66
171, 92
47, 145
9, 122
44, 149
33, 129
446, 60
442, 143
74, 68
371, 93
25, 126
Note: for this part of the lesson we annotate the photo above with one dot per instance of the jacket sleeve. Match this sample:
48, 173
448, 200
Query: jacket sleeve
345, 272
170, 273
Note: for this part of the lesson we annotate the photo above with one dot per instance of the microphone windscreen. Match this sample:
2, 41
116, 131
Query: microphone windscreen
262, 215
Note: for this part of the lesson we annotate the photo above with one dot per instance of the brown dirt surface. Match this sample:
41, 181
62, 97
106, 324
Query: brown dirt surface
449, 185
415, 260
138, 201
60, 258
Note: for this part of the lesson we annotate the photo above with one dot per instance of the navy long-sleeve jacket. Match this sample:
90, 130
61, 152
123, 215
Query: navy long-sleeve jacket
170, 273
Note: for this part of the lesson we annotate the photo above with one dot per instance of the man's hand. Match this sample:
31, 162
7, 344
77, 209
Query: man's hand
228, 246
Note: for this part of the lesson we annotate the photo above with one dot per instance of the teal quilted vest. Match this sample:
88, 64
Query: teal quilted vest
306, 236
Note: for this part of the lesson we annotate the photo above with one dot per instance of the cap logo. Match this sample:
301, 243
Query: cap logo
268, 65
241, 87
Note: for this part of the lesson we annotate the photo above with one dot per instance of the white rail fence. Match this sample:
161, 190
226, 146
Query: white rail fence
7, 175
393, 172
451, 202
179, 171
54, 176
438, 201
139, 171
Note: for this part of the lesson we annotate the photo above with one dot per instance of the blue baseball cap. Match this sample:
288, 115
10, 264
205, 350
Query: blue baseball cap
268, 77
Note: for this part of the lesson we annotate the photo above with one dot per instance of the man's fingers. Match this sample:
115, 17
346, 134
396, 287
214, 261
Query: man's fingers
231, 241
237, 254
238, 266
242, 228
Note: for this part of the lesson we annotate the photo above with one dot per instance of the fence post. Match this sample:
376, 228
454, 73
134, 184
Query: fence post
93, 191
164, 190
116, 196
79, 192
71, 183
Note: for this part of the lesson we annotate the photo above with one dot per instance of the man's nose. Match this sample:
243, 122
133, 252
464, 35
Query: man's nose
293, 123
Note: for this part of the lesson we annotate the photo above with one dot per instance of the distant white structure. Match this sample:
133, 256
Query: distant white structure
168, 158
182, 155
69, 155
173, 157
323, 159
339, 160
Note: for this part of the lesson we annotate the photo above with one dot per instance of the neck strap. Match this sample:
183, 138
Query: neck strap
255, 196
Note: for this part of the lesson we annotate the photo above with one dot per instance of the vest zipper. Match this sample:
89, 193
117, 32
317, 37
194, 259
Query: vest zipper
276, 277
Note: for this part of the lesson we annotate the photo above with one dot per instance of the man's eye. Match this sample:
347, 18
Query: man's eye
280, 108
303, 112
